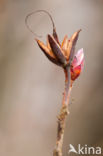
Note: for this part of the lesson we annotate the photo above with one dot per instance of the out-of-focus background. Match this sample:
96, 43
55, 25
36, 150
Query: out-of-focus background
31, 87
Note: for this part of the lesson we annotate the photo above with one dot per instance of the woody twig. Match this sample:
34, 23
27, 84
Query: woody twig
62, 54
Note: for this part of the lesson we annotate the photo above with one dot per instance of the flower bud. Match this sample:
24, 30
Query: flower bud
77, 64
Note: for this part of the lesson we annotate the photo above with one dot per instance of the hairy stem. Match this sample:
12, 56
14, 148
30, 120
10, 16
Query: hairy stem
63, 114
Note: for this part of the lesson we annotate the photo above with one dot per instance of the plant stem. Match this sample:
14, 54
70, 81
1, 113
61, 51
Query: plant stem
63, 113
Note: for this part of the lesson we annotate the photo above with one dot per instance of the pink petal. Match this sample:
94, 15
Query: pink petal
78, 58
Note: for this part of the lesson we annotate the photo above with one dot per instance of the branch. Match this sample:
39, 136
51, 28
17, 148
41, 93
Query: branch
63, 113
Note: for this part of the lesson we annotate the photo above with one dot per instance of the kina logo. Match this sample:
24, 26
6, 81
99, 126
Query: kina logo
84, 150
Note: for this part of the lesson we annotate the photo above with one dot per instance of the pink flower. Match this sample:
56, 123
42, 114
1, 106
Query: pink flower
77, 64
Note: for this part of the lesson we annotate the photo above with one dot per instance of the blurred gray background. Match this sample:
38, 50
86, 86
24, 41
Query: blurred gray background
31, 87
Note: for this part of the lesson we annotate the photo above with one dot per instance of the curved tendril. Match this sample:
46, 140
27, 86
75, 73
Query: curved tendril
34, 12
